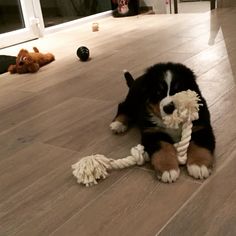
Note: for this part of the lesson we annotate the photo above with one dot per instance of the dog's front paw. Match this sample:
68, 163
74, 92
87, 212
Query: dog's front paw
169, 176
117, 127
198, 172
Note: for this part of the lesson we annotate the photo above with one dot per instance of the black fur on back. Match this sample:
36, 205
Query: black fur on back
152, 88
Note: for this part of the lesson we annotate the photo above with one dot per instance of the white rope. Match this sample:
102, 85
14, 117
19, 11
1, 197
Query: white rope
183, 144
187, 108
92, 168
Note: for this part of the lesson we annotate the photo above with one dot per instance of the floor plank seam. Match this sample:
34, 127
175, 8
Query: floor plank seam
33, 183
220, 97
194, 194
92, 201
35, 116
59, 147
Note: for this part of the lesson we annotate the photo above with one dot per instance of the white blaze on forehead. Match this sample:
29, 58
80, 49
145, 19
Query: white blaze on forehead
165, 101
168, 79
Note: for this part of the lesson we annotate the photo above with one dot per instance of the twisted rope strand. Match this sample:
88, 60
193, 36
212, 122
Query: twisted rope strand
182, 146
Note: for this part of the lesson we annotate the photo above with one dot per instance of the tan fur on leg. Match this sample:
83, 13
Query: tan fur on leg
200, 161
199, 156
165, 163
120, 124
123, 119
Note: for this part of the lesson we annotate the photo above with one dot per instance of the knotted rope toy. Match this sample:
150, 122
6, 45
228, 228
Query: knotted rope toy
187, 106
92, 168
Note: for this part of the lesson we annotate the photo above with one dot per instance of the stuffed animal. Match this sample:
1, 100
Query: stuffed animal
30, 62
125, 8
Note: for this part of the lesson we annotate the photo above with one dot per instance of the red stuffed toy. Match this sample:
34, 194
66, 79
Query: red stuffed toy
30, 62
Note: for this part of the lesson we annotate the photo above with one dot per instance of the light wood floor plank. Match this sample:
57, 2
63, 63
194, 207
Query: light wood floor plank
27, 166
132, 206
37, 186
66, 125
224, 126
214, 84
10, 98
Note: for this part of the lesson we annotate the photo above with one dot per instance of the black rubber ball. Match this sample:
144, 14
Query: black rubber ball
83, 53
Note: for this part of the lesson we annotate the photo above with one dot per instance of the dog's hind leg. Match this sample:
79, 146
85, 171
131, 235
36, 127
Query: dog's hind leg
129, 109
121, 120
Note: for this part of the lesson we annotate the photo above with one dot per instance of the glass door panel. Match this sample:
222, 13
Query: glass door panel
61, 11
23, 20
18, 21
11, 17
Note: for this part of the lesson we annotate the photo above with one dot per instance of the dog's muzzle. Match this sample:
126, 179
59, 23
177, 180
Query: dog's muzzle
167, 106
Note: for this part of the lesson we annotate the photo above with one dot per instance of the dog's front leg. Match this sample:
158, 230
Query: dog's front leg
165, 163
163, 156
201, 153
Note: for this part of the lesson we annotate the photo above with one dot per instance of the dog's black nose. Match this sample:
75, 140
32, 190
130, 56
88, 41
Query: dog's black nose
169, 108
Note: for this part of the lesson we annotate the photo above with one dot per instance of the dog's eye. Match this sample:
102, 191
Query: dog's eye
175, 88
155, 97
24, 58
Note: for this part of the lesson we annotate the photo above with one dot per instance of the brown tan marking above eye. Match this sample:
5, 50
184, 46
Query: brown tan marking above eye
155, 109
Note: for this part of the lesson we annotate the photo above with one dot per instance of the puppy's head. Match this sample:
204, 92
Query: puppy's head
164, 80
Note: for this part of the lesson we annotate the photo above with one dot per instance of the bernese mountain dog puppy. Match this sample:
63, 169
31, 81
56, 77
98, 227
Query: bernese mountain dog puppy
148, 98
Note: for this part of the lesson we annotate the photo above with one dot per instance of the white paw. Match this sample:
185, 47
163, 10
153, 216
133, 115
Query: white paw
170, 176
117, 127
198, 172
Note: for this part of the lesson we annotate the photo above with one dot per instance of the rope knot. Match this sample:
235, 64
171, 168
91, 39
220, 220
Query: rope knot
139, 154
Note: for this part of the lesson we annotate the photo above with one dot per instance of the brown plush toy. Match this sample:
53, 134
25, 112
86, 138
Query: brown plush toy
30, 62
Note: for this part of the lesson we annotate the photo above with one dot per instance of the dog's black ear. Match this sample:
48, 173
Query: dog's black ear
129, 78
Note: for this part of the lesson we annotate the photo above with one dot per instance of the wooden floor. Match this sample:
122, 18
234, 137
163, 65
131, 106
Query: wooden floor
52, 118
